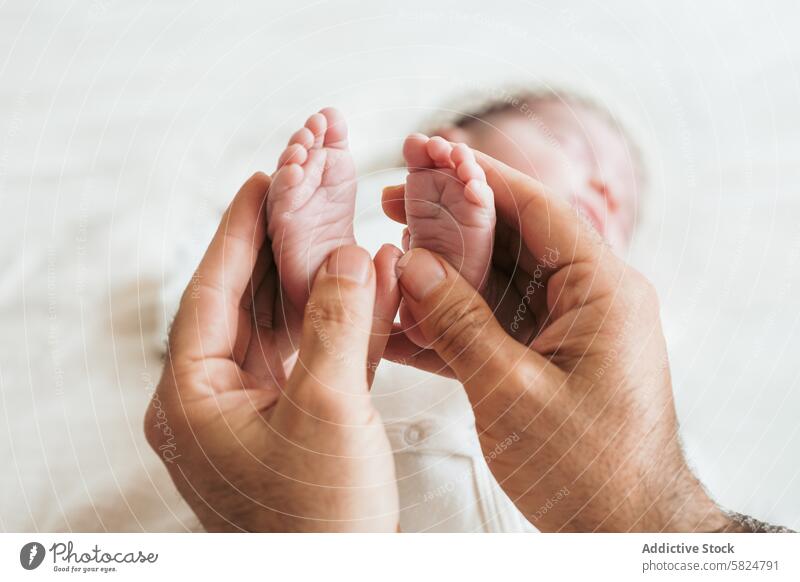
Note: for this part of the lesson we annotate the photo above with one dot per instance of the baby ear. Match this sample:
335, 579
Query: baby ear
452, 134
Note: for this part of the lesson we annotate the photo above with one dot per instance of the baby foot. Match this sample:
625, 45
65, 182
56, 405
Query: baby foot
449, 210
449, 205
311, 202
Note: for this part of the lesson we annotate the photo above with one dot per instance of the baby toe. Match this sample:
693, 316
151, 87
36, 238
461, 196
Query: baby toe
302, 136
478, 192
336, 135
462, 154
294, 154
317, 124
440, 151
285, 178
470, 171
415, 152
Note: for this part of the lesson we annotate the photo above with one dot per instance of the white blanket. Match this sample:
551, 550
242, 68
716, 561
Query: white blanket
126, 127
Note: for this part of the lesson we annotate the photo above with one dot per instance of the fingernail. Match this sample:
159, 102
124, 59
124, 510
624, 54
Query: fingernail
350, 262
419, 273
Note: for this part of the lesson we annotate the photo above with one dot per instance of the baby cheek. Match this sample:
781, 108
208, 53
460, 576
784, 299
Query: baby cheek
561, 176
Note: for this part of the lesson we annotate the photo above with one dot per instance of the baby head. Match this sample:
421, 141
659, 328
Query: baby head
570, 144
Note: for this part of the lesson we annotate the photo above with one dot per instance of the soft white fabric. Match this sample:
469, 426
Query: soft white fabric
126, 127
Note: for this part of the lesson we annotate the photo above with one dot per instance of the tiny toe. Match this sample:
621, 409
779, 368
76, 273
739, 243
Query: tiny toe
294, 154
302, 136
287, 177
470, 171
462, 154
415, 152
336, 135
478, 192
440, 150
317, 124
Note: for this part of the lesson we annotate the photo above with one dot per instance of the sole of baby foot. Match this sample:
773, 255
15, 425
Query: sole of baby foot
311, 203
449, 210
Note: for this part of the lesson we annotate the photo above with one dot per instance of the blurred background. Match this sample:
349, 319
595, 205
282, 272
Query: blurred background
125, 128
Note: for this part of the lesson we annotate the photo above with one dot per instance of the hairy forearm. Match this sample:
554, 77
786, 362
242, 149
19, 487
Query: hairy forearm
740, 523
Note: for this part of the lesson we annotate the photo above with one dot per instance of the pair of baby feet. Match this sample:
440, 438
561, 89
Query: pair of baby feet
449, 206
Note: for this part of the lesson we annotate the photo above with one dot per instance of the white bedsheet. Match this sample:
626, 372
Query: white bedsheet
125, 127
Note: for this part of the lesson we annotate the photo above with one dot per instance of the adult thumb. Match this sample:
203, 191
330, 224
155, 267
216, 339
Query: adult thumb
456, 321
337, 323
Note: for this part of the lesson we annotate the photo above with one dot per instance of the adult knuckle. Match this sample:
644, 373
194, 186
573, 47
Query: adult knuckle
458, 324
333, 312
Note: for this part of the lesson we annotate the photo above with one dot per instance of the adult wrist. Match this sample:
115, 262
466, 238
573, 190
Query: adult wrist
676, 502
687, 507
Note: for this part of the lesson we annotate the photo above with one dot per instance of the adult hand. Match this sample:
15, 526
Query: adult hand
252, 440
565, 367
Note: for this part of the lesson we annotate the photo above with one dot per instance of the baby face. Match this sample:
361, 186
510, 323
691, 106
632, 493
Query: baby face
574, 152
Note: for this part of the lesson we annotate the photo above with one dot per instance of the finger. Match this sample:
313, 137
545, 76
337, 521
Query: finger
387, 300
410, 328
393, 202
263, 357
208, 318
551, 228
252, 304
406, 240
458, 323
337, 324
402, 350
